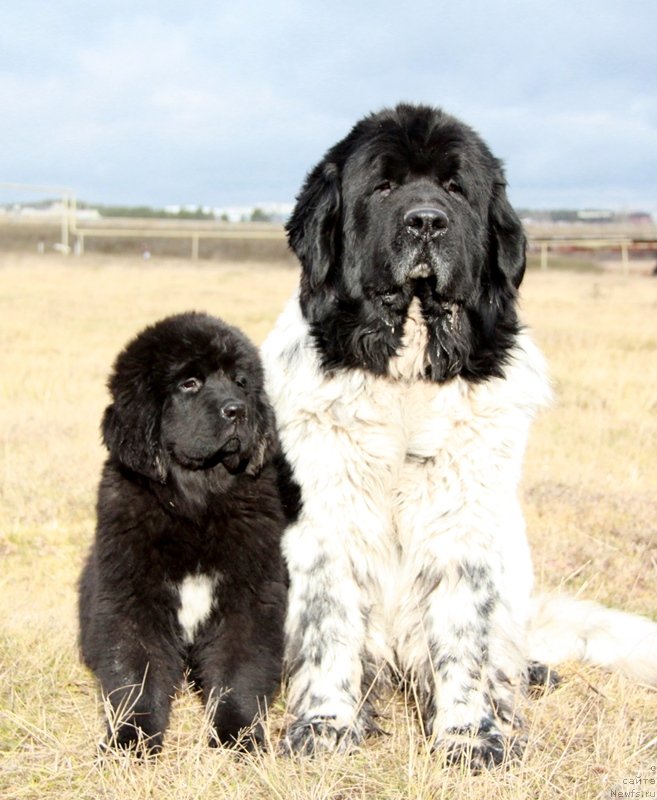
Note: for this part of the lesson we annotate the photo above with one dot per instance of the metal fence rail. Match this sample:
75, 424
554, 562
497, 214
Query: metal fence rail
624, 244
72, 230
194, 235
544, 245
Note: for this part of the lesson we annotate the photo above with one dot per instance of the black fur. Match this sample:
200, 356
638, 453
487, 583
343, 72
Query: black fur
363, 263
194, 484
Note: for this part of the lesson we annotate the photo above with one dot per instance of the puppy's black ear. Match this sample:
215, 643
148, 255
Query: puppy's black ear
130, 434
507, 239
265, 440
314, 227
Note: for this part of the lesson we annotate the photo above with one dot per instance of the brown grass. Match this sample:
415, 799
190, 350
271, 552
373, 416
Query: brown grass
589, 496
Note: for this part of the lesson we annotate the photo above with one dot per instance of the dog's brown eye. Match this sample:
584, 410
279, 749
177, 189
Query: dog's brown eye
453, 186
240, 381
190, 385
384, 188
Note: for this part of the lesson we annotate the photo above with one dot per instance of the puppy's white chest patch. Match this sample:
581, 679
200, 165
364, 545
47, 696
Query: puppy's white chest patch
196, 597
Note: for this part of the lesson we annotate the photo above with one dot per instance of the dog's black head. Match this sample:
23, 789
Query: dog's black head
187, 393
410, 203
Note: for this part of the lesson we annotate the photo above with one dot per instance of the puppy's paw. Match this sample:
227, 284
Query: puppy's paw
482, 749
131, 739
318, 735
242, 742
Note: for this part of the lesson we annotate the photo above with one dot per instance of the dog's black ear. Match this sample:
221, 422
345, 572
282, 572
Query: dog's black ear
314, 227
130, 433
265, 440
507, 239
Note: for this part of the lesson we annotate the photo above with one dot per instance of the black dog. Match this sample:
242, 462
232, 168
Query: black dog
186, 570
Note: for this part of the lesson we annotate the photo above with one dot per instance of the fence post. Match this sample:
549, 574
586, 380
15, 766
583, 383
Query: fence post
195, 238
544, 255
624, 256
65, 224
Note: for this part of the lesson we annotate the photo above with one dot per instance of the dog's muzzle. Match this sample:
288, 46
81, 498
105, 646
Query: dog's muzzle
422, 270
423, 226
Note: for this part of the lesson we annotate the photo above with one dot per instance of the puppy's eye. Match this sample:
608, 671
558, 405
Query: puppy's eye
384, 188
190, 385
240, 380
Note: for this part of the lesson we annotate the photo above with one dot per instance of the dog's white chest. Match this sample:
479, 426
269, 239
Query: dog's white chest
196, 594
411, 360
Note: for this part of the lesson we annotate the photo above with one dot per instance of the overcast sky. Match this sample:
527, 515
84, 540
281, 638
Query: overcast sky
226, 103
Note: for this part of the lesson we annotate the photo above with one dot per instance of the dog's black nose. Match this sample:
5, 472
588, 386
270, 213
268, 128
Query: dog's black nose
426, 222
234, 410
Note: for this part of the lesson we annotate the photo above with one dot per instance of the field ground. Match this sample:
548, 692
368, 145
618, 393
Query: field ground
589, 496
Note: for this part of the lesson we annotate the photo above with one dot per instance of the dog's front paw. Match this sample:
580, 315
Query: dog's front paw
246, 740
318, 735
131, 738
485, 748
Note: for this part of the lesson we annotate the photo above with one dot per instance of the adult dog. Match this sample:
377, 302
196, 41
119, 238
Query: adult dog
185, 571
404, 387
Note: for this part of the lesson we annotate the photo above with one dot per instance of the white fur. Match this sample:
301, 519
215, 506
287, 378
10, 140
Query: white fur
196, 597
568, 629
410, 551
403, 481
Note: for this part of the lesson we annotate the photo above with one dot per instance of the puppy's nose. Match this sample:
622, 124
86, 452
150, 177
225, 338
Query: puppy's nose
234, 410
426, 222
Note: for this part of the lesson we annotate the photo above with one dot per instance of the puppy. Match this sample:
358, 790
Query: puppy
185, 572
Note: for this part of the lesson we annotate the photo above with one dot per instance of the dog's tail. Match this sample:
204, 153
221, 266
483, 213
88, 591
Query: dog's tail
564, 628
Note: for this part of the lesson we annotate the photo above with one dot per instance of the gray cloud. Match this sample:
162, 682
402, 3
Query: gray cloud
162, 102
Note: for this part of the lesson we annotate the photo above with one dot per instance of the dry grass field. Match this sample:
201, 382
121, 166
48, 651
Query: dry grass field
589, 493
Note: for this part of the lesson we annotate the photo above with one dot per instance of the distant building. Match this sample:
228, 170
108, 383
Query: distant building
595, 215
275, 212
48, 211
639, 218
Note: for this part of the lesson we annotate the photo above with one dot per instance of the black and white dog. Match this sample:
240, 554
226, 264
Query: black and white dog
404, 387
186, 572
